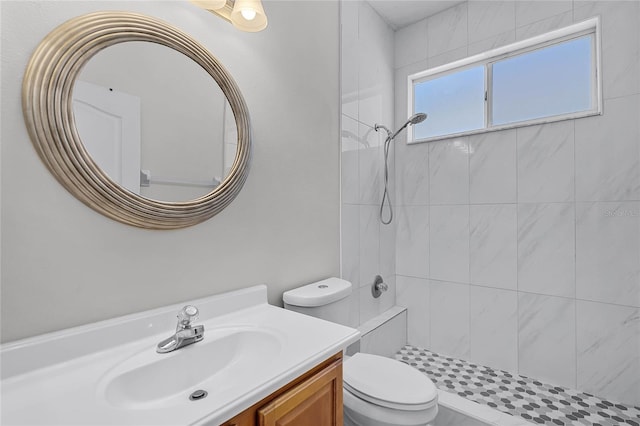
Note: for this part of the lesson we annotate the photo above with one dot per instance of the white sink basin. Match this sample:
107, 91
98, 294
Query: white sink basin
109, 373
148, 378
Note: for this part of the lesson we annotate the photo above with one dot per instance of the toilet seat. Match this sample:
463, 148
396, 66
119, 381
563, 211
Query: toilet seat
358, 412
388, 383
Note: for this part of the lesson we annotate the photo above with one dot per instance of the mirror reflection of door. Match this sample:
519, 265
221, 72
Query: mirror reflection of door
187, 130
109, 122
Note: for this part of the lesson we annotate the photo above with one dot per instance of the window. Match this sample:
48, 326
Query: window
548, 78
455, 103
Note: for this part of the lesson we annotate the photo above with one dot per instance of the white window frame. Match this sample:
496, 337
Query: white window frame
486, 59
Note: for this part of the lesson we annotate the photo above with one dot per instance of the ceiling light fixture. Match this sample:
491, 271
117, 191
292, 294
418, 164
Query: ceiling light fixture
245, 15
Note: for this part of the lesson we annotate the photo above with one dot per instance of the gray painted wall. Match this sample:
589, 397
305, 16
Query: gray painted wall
64, 264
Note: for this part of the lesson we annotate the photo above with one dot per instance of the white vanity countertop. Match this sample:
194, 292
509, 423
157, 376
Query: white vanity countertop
109, 372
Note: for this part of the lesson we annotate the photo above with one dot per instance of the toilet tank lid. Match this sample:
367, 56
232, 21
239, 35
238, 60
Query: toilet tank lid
318, 293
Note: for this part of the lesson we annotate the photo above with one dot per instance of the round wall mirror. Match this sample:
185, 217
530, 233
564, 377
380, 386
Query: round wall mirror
154, 121
137, 120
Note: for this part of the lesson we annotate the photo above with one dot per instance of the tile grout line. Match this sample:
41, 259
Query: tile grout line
517, 259
429, 253
468, 142
575, 257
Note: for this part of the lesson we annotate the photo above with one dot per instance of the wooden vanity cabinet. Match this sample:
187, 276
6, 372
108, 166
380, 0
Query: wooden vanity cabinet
313, 399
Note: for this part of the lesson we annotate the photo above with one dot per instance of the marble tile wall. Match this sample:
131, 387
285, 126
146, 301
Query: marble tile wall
367, 69
520, 249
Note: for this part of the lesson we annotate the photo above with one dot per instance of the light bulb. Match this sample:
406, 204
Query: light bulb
248, 14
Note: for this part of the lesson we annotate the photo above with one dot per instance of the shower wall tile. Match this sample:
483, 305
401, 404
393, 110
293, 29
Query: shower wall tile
449, 171
387, 299
349, 164
544, 26
492, 168
370, 106
387, 261
412, 241
370, 175
449, 243
492, 43
490, 18
493, 246
387, 112
412, 178
453, 23
349, 137
494, 328
370, 98
449, 307
411, 44
608, 339
620, 21
447, 57
350, 241
546, 249
608, 153
369, 244
547, 338
413, 294
530, 11
354, 307
608, 252
387, 338
375, 64
349, 58
546, 163
368, 305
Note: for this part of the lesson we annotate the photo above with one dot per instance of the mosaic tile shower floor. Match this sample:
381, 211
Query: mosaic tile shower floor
521, 396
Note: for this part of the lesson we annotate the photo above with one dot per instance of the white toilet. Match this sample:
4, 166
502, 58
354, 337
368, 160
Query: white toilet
378, 391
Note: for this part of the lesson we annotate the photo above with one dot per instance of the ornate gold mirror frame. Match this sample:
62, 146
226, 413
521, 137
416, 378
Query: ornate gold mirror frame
48, 111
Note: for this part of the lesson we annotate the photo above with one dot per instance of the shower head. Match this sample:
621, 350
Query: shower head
414, 119
417, 118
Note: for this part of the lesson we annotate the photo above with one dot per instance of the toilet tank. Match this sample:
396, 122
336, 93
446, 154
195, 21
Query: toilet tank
327, 299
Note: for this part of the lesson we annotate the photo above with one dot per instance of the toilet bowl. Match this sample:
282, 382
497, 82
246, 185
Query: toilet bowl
377, 391
381, 391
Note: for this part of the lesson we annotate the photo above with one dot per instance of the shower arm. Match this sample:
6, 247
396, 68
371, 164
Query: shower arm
414, 119
390, 136
377, 127
399, 130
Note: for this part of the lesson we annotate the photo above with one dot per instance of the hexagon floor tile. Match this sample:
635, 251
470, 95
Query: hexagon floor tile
518, 395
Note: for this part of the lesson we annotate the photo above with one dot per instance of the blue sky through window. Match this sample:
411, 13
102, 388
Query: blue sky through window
551, 81
454, 103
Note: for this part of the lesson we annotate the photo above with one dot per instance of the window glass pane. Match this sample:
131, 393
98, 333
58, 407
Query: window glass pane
454, 103
551, 81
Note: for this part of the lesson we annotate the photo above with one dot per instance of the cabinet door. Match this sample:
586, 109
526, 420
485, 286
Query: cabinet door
315, 402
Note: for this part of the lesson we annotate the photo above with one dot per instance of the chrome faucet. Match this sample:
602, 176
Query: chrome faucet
185, 334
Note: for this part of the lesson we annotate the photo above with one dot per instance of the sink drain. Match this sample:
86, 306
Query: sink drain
197, 395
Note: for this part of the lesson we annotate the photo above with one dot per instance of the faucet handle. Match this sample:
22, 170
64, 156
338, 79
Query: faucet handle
187, 315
